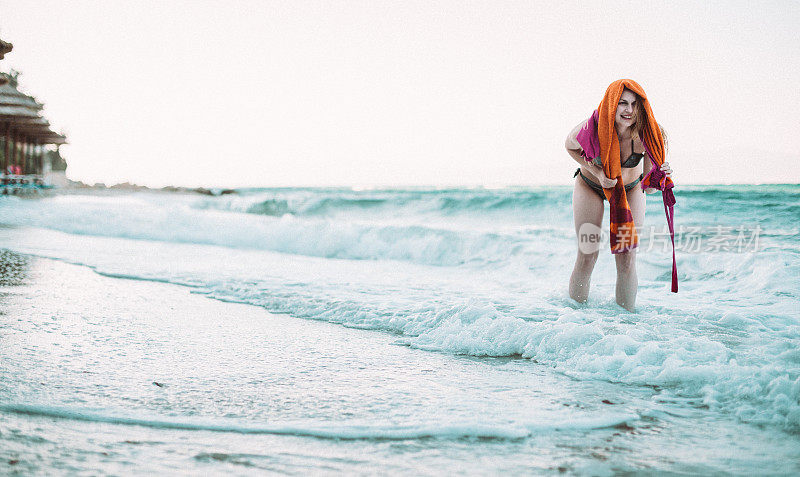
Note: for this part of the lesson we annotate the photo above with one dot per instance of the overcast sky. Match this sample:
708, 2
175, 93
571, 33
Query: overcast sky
273, 93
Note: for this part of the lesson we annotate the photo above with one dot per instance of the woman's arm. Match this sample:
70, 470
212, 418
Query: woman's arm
575, 150
573, 147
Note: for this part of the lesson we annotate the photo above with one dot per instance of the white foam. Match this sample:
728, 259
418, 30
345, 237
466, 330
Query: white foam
335, 430
728, 340
177, 219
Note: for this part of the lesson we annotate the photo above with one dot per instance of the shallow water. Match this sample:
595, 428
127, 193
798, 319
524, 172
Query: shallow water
459, 350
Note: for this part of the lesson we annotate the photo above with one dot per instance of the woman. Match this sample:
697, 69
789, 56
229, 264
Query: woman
610, 147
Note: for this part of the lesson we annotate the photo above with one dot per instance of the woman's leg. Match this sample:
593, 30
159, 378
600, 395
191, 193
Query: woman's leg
627, 281
587, 209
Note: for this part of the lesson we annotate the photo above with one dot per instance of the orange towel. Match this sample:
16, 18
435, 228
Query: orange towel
623, 231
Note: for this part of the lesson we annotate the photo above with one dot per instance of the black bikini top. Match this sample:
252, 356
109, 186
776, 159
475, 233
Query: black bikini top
629, 163
634, 159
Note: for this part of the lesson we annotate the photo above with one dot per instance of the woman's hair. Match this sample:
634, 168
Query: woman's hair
640, 114
641, 117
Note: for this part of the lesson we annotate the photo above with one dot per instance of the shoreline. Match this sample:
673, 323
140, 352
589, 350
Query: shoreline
119, 369
146, 375
129, 187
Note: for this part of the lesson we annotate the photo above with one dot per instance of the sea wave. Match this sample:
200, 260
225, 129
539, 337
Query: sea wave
727, 340
736, 354
338, 430
735, 364
430, 243
324, 202
508, 202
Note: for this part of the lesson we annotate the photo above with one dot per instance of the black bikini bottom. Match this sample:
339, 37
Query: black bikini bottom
599, 189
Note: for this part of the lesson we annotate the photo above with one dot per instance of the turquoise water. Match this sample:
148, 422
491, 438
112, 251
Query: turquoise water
469, 284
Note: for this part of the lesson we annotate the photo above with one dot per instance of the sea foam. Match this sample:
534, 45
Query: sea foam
339, 431
450, 273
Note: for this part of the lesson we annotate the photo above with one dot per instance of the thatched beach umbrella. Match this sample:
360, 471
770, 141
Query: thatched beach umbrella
4, 48
22, 127
25, 131
11, 96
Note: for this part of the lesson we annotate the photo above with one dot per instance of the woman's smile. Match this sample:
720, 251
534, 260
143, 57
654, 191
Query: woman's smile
625, 110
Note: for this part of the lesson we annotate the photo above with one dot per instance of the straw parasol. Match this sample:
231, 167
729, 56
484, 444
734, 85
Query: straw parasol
4, 48
23, 112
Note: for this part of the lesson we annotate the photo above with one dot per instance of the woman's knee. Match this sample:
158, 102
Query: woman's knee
626, 262
586, 261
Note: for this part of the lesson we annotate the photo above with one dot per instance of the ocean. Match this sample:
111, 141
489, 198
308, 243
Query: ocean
396, 330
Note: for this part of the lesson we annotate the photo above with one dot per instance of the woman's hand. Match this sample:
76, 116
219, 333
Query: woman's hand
665, 167
600, 175
667, 171
605, 182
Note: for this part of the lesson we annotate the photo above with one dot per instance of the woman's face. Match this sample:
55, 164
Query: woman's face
626, 117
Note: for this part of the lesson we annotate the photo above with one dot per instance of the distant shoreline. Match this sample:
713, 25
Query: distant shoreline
79, 186
128, 187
